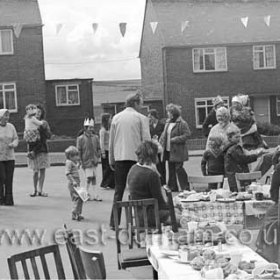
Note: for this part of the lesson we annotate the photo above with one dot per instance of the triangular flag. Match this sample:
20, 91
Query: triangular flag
184, 24
58, 28
123, 28
17, 29
244, 21
154, 26
267, 20
94, 27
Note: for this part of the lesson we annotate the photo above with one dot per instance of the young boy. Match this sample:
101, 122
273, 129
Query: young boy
72, 174
236, 161
212, 162
89, 151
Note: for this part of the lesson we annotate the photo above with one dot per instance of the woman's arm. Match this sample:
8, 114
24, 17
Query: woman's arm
14, 142
185, 132
34, 120
275, 184
45, 130
203, 164
102, 138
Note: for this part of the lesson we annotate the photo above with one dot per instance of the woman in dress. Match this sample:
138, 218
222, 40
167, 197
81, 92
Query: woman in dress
174, 143
8, 141
108, 176
41, 159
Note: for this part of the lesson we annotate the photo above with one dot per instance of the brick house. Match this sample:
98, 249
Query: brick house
69, 102
214, 54
109, 97
22, 73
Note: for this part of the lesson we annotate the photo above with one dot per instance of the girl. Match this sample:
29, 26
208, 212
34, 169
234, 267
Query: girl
108, 180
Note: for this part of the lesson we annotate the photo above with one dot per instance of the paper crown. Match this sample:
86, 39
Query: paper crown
88, 122
242, 99
217, 100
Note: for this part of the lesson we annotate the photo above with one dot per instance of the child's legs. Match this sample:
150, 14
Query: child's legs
77, 208
91, 182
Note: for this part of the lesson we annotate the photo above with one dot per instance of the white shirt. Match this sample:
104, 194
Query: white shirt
8, 135
32, 123
169, 129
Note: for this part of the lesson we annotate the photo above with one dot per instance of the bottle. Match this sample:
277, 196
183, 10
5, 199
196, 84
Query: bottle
226, 185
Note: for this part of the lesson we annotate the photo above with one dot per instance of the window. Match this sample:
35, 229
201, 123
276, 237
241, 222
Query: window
209, 59
202, 108
67, 95
264, 57
278, 105
8, 96
6, 42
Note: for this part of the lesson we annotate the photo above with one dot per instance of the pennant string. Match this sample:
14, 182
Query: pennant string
122, 28
244, 21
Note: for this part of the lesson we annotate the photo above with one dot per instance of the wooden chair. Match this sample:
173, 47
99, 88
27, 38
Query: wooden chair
94, 264
34, 256
252, 176
130, 253
196, 182
171, 209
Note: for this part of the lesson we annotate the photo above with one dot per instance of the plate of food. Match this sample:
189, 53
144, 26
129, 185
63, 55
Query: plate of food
225, 200
190, 200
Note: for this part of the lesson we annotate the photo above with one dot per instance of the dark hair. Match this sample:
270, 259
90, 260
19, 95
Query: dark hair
133, 98
174, 109
105, 120
147, 152
43, 111
154, 113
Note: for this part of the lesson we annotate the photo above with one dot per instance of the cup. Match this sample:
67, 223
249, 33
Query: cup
259, 196
213, 196
235, 258
192, 226
184, 254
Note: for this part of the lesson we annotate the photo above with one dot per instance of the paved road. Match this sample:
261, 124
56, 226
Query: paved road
49, 214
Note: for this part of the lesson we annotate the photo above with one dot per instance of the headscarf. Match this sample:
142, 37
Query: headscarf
240, 98
3, 112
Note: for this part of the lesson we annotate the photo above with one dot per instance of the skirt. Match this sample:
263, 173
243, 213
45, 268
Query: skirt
41, 161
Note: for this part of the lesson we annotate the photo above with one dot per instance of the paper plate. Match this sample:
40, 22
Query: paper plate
177, 259
225, 200
169, 253
193, 200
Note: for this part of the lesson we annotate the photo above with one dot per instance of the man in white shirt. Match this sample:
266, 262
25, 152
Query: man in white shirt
128, 130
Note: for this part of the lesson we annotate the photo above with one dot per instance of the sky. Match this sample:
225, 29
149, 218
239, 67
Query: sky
77, 52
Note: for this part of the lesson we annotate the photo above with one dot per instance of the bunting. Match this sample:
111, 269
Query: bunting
17, 27
244, 21
267, 20
154, 26
184, 25
122, 28
58, 28
94, 27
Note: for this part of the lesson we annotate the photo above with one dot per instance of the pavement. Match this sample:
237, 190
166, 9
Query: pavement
46, 215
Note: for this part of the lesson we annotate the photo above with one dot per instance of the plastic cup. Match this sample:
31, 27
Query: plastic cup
192, 226
235, 258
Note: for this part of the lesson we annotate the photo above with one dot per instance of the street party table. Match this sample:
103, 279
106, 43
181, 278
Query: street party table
169, 268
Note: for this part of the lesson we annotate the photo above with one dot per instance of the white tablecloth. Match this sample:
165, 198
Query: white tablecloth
168, 268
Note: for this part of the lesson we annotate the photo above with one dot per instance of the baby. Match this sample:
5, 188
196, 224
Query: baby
31, 131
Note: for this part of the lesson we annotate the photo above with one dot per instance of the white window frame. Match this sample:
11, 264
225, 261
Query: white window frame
225, 98
4, 96
215, 54
277, 102
67, 95
12, 42
264, 62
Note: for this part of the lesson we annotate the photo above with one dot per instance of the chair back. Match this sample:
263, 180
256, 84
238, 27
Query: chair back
251, 176
35, 257
94, 264
171, 208
196, 181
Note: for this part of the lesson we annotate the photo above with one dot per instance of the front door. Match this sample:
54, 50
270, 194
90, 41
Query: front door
262, 109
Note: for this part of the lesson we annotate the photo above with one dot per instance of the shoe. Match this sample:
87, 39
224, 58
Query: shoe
80, 217
97, 198
42, 194
112, 228
34, 194
75, 217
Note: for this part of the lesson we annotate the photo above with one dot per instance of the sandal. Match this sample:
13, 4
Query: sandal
34, 194
43, 194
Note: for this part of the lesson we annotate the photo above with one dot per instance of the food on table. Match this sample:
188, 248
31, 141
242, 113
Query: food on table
244, 196
209, 254
197, 263
246, 266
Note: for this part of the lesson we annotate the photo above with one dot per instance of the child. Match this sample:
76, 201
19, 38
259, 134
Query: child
236, 161
212, 162
89, 150
72, 174
31, 131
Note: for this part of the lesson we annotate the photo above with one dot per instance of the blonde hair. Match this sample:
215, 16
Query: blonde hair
71, 151
232, 130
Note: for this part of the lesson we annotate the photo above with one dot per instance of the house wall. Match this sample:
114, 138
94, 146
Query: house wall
68, 120
182, 85
151, 58
26, 68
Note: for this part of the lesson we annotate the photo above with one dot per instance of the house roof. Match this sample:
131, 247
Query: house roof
113, 91
212, 22
19, 11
